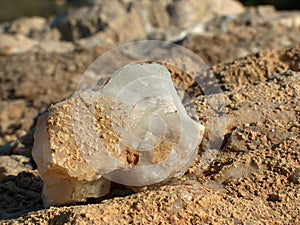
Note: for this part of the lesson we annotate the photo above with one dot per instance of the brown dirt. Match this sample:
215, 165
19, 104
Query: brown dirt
255, 178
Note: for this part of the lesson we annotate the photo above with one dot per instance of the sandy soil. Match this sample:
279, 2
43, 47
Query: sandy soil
255, 178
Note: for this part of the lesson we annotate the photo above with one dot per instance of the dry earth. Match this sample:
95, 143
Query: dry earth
255, 178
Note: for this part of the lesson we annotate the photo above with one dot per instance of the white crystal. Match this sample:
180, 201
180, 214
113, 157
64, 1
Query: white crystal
152, 122
134, 131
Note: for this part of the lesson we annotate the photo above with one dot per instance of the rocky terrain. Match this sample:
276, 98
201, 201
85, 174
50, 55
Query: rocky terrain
253, 52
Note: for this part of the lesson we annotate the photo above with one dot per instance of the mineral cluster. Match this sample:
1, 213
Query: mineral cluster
133, 131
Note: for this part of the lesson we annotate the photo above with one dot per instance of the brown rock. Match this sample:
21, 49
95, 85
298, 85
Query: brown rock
185, 14
13, 165
154, 15
107, 17
67, 177
11, 44
33, 27
123, 30
16, 118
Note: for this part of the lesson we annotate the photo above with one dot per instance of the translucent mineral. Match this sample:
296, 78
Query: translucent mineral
134, 131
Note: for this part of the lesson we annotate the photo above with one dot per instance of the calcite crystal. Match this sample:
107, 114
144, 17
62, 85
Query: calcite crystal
134, 131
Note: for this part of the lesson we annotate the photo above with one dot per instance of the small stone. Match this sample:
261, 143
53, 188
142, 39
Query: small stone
33, 27
12, 44
295, 176
12, 165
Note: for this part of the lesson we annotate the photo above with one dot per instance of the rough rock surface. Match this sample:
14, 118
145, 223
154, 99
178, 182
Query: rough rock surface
31, 27
247, 30
255, 177
250, 32
13, 165
15, 44
67, 177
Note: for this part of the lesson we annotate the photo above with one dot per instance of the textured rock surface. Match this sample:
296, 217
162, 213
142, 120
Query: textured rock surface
67, 177
15, 44
21, 184
32, 27
103, 24
13, 165
190, 15
263, 33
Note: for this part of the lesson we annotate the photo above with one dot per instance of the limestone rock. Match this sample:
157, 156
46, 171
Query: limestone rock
14, 44
187, 13
154, 15
131, 28
81, 23
33, 27
98, 39
190, 16
106, 17
11, 44
13, 165
56, 46
67, 177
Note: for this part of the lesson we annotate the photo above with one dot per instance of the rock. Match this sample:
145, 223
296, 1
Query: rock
15, 44
99, 39
127, 134
154, 15
189, 16
12, 44
288, 19
15, 115
12, 110
131, 28
295, 176
236, 142
267, 15
13, 165
23, 194
258, 15
32, 27
148, 128
52, 35
56, 46
67, 177
106, 17
80, 23
17, 143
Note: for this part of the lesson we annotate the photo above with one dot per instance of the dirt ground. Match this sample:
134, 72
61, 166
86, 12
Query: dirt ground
255, 177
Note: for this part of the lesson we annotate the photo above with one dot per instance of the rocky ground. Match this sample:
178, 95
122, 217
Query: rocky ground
253, 52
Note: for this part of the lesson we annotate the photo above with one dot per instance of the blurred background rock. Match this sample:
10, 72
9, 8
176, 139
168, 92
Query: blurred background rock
13, 9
